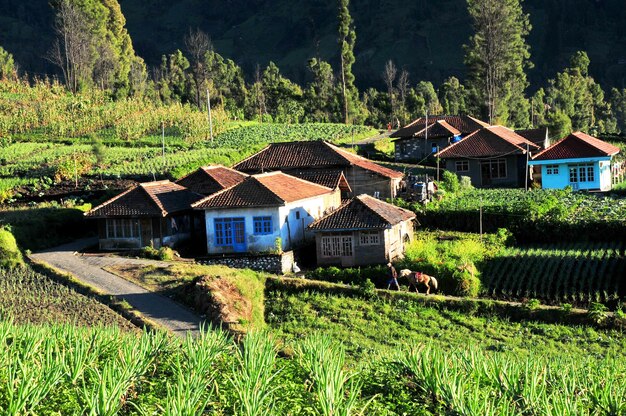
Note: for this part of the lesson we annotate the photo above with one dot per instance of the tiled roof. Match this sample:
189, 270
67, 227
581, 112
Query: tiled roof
463, 124
265, 189
150, 199
491, 141
308, 154
439, 128
575, 146
537, 136
329, 178
363, 212
207, 180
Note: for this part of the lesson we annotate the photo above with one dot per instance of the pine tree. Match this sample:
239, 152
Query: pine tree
347, 39
496, 57
7, 64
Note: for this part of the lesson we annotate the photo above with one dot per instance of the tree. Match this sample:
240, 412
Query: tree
427, 91
198, 45
618, 105
389, 76
496, 58
173, 83
347, 40
320, 96
403, 88
279, 90
452, 96
7, 64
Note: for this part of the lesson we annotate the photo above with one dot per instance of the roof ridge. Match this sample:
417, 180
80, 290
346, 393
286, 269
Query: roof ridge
156, 201
208, 197
115, 198
359, 198
155, 183
304, 180
252, 155
438, 154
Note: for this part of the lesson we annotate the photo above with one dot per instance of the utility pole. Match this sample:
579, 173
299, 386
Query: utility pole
75, 171
353, 137
163, 143
437, 163
208, 104
527, 156
532, 112
426, 136
481, 218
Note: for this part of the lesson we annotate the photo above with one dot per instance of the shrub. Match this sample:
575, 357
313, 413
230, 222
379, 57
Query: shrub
566, 307
450, 182
10, 255
466, 280
598, 312
163, 253
465, 183
532, 304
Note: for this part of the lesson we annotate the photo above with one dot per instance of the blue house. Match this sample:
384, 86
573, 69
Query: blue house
578, 160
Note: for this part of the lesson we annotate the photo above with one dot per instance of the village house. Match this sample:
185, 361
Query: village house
363, 231
578, 160
208, 180
150, 214
493, 156
264, 213
538, 136
426, 136
315, 160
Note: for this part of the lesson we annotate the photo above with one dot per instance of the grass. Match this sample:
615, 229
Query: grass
238, 291
369, 326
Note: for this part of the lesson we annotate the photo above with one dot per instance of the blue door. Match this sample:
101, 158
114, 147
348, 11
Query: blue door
239, 235
231, 232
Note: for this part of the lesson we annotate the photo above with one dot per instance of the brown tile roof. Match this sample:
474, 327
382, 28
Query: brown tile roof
537, 136
330, 178
150, 199
363, 212
265, 189
207, 180
308, 154
463, 124
575, 146
493, 141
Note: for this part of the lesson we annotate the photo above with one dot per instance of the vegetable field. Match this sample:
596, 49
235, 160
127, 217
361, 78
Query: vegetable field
577, 273
72, 371
533, 216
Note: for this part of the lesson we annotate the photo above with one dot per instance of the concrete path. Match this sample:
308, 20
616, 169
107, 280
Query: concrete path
88, 269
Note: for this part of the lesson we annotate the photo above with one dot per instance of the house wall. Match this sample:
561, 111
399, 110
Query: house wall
363, 181
414, 150
285, 223
155, 232
602, 174
391, 246
515, 172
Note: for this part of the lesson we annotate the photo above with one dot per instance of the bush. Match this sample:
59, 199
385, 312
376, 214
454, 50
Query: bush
163, 253
450, 182
466, 183
466, 280
10, 255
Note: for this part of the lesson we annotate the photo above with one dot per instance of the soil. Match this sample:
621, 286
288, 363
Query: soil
87, 189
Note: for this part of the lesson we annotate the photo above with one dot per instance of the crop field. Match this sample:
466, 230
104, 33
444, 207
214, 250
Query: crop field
30, 297
62, 369
533, 216
577, 273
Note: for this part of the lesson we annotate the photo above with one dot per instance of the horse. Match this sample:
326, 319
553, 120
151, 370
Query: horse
418, 277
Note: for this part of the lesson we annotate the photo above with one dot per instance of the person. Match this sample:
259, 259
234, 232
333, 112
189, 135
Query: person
393, 277
389, 126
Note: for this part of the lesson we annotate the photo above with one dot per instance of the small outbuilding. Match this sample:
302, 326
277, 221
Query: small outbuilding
363, 231
150, 214
578, 160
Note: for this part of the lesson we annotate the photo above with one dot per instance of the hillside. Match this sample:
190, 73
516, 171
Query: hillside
426, 40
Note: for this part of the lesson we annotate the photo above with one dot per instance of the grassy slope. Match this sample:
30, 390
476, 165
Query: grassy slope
382, 326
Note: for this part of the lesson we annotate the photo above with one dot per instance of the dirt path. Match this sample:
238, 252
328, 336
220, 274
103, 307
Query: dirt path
88, 269
376, 138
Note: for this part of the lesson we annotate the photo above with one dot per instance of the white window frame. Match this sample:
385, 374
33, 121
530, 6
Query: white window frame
369, 238
337, 246
497, 163
582, 173
117, 228
552, 169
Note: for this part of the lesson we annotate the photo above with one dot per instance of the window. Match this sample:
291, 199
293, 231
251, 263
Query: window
369, 238
552, 169
122, 228
297, 215
230, 232
494, 169
337, 246
582, 173
262, 225
462, 165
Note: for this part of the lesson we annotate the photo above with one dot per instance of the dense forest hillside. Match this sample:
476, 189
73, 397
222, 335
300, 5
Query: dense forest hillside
425, 37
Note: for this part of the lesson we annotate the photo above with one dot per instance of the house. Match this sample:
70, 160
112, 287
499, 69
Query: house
264, 211
363, 231
316, 157
492, 156
150, 214
426, 136
538, 136
333, 179
208, 180
578, 160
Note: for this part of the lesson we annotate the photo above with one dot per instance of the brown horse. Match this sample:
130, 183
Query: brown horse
415, 278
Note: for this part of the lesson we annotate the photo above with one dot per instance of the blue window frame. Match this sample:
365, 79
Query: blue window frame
262, 225
223, 231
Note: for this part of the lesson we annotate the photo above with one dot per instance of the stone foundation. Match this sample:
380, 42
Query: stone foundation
271, 263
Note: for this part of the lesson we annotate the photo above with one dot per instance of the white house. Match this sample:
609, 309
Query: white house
263, 212
578, 160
